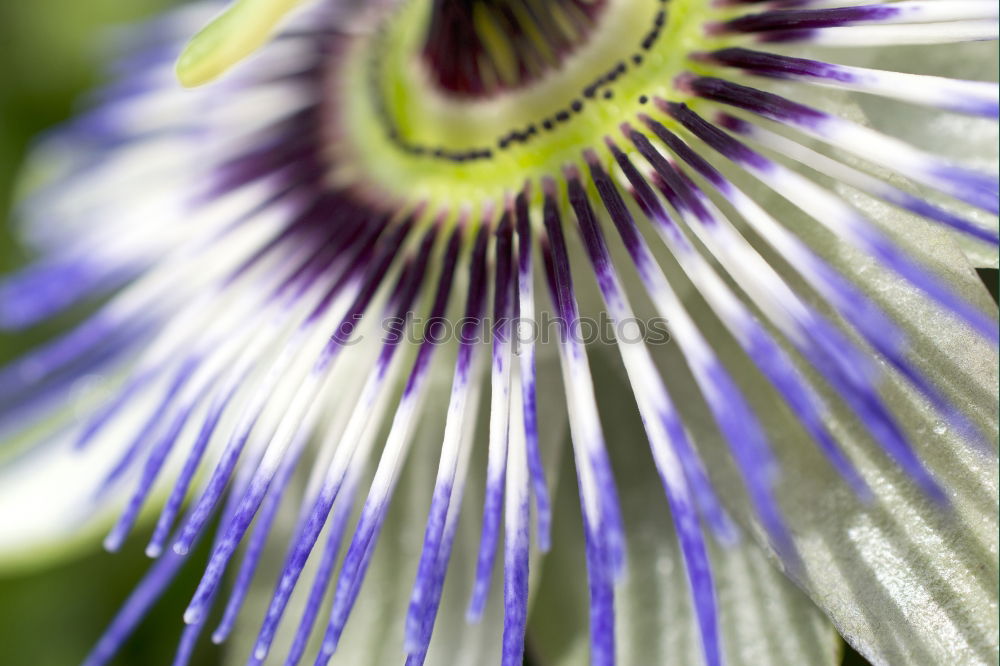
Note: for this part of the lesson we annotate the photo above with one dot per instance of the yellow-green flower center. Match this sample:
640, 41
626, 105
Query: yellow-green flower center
413, 140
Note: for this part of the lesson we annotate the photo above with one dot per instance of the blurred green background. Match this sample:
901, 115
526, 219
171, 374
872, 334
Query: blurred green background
52, 52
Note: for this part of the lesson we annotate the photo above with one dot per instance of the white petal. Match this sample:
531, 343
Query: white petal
764, 618
904, 580
45, 507
970, 140
374, 633
907, 581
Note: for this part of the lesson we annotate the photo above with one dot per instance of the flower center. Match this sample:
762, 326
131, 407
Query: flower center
403, 128
480, 47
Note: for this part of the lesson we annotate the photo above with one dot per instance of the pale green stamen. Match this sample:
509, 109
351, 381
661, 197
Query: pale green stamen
236, 33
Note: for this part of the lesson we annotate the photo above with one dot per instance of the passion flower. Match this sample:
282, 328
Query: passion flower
309, 259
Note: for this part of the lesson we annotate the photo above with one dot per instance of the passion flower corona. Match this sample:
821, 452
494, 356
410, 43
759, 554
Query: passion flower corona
308, 271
